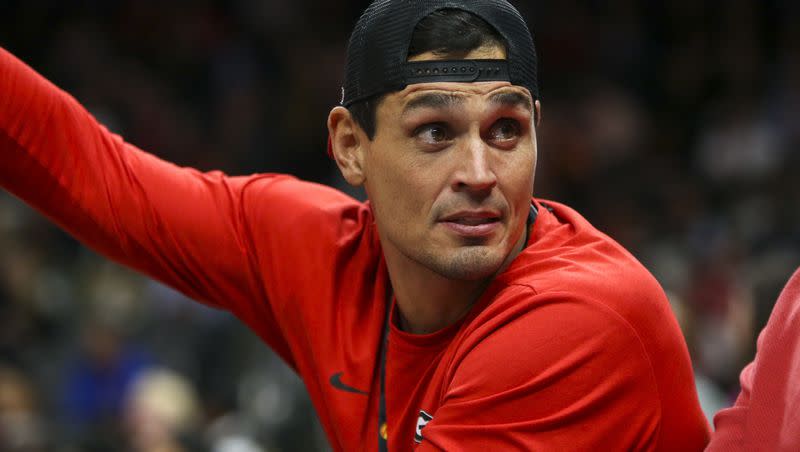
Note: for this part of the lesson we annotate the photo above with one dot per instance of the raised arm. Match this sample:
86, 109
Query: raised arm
172, 223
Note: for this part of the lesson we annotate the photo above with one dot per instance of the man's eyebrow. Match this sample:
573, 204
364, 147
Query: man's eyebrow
433, 100
511, 99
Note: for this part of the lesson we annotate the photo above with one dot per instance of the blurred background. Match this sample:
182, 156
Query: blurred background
671, 125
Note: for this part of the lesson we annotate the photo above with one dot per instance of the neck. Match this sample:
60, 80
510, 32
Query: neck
428, 301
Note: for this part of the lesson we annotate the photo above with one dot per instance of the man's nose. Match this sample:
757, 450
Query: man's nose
475, 172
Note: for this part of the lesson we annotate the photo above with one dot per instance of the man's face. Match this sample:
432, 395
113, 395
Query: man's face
450, 174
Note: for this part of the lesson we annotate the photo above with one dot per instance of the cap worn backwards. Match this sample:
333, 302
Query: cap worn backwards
378, 50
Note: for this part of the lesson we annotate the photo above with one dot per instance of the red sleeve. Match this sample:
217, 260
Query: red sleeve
568, 375
193, 231
172, 223
729, 423
765, 415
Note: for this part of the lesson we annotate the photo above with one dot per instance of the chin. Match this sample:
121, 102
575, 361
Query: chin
468, 264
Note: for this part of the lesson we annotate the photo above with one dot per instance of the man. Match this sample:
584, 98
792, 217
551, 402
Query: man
450, 312
765, 416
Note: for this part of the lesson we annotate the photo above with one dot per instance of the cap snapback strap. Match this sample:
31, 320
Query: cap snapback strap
430, 71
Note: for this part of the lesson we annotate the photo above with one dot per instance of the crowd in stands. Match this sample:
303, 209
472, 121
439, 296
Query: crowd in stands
671, 125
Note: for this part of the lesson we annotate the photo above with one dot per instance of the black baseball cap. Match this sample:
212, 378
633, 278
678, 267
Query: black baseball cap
377, 53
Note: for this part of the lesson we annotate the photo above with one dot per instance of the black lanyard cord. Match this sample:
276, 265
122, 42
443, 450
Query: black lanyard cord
383, 434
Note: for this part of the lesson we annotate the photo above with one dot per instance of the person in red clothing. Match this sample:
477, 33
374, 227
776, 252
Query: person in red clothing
765, 416
452, 311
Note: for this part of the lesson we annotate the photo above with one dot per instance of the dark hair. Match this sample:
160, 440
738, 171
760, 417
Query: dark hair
447, 33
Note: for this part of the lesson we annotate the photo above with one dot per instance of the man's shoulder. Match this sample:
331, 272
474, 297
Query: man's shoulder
563, 341
566, 255
570, 266
293, 192
302, 231
302, 206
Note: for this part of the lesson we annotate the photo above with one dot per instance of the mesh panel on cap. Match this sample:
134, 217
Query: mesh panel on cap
378, 47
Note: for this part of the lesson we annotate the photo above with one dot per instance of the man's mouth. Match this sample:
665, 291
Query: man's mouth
472, 223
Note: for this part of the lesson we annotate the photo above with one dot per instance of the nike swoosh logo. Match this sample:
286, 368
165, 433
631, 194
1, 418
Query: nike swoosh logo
336, 382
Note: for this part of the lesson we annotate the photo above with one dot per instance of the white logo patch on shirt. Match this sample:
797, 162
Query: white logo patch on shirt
422, 421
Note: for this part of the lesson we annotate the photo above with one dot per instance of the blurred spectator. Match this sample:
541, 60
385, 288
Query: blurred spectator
161, 412
22, 428
96, 383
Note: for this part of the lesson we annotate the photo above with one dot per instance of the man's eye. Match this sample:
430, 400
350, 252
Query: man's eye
505, 130
432, 133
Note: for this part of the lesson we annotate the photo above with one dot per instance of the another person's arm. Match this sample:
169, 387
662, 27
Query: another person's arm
766, 414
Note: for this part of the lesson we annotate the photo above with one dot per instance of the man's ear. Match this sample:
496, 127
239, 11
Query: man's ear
537, 113
347, 145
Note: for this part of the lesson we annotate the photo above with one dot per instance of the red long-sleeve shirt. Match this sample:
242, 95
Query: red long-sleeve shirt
573, 347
